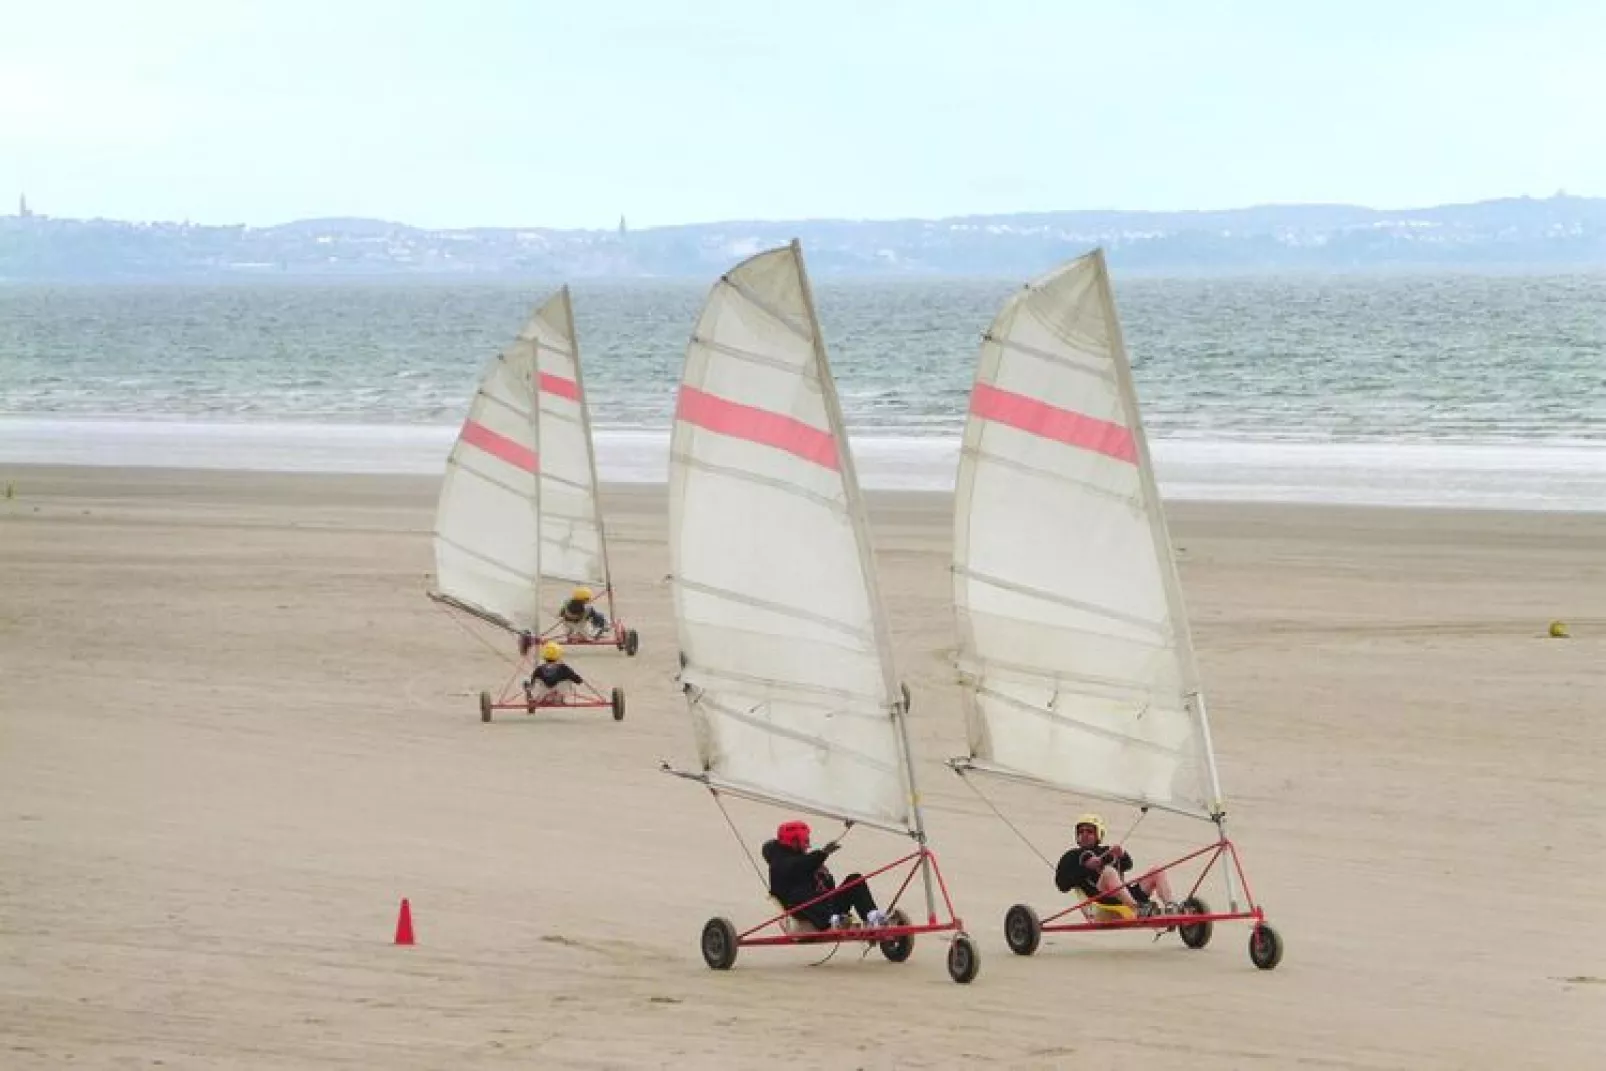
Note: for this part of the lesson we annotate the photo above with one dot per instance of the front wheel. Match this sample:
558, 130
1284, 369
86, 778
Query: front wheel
485, 706
1022, 930
719, 944
618, 704
632, 642
1195, 934
1265, 947
962, 961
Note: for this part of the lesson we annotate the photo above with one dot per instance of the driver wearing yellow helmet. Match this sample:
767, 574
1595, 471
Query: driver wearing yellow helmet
578, 611
1095, 869
552, 676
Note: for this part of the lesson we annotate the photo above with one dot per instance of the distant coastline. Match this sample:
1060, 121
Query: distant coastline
1559, 233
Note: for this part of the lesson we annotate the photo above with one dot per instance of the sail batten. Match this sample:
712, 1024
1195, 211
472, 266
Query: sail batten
1078, 664
785, 658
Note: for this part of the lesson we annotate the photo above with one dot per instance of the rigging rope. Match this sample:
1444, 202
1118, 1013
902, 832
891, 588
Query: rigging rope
762, 880
1004, 820
499, 652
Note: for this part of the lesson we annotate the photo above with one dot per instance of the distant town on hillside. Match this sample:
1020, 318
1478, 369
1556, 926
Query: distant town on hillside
1560, 232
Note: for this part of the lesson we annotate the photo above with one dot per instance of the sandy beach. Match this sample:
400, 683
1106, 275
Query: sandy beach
234, 734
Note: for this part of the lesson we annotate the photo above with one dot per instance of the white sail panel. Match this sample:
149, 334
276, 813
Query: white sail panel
572, 546
1074, 646
487, 519
786, 663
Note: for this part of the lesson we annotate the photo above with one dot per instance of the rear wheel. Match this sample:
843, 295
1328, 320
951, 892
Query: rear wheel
618, 704
1265, 947
485, 706
1195, 934
1022, 930
632, 642
719, 944
898, 949
962, 961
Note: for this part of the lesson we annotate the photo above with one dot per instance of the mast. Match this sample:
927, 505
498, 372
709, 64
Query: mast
860, 517
1173, 581
591, 453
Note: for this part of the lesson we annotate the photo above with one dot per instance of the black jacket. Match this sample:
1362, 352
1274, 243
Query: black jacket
796, 877
1078, 869
553, 674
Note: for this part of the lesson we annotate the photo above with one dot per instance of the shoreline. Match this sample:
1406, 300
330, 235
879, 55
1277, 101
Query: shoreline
411, 490
1550, 477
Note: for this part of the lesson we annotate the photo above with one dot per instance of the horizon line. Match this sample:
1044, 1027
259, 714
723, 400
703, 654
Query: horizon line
1559, 195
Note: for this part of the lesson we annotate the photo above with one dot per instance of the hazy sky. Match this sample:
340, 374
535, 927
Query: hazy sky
508, 113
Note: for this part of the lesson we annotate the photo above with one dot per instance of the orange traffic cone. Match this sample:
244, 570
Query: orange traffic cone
404, 924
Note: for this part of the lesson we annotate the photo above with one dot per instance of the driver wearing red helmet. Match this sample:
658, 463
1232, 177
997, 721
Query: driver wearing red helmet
798, 875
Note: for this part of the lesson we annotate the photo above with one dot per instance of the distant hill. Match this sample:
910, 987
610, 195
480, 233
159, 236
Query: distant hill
1558, 233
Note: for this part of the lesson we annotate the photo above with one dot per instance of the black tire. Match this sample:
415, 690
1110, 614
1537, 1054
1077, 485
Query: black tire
618, 704
1022, 931
1265, 947
907, 702
485, 706
1195, 934
898, 949
632, 642
962, 960
719, 944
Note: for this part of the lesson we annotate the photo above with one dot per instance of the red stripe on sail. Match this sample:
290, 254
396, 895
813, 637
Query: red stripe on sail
499, 446
563, 388
758, 426
1051, 422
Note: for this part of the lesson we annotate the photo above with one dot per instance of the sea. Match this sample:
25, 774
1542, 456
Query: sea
1456, 390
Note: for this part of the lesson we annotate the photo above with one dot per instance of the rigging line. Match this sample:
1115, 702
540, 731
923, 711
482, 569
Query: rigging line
481, 640
1004, 820
834, 949
737, 834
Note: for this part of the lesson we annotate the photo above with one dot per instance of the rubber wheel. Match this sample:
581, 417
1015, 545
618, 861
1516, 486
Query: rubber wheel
618, 704
1265, 947
485, 706
719, 944
962, 961
898, 949
1022, 931
1196, 934
907, 703
632, 642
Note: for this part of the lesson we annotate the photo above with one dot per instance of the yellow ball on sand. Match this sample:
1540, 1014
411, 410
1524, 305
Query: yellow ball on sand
1558, 630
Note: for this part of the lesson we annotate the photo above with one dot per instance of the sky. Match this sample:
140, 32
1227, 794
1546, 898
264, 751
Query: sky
508, 113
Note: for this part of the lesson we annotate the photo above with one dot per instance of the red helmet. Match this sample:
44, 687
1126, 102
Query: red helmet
794, 835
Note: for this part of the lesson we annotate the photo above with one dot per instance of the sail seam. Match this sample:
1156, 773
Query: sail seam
1059, 477
1103, 374
782, 609
1158, 628
1081, 726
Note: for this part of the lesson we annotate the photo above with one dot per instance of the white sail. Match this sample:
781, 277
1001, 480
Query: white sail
786, 661
1074, 651
573, 549
487, 550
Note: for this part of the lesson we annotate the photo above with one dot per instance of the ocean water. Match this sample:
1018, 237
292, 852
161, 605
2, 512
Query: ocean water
1479, 390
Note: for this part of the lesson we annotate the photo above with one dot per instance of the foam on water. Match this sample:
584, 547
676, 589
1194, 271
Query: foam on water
1552, 476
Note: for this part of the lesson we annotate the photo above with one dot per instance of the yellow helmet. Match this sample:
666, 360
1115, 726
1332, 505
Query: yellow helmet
583, 593
1091, 820
551, 652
